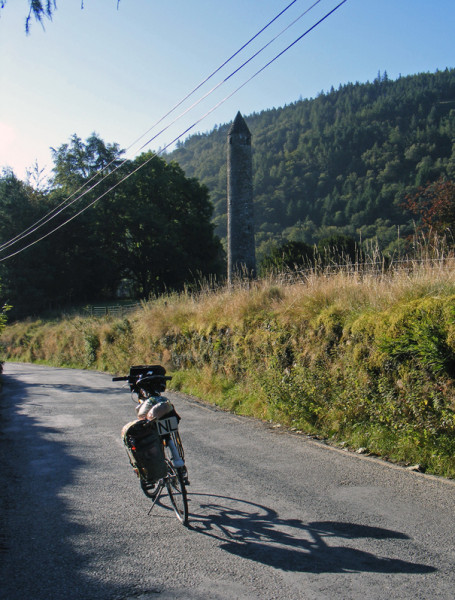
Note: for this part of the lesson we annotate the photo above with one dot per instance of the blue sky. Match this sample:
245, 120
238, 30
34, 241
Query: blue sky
117, 72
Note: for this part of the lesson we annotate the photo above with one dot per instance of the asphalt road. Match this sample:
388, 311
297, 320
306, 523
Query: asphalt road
273, 515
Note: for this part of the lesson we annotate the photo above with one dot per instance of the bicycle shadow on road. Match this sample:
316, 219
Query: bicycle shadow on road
258, 533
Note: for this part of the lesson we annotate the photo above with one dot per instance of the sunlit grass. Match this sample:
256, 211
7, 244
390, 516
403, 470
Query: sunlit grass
351, 354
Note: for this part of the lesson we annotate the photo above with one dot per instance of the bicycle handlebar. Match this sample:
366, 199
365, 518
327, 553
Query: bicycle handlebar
137, 380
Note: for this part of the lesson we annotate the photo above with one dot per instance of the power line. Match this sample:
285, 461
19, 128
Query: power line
66, 203
55, 211
177, 138
180, 135
234, 72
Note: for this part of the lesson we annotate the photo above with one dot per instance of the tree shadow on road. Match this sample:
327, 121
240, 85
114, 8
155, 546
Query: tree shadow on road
258, 533
40, 531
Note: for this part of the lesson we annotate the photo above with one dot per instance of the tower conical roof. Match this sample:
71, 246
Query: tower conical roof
239, 125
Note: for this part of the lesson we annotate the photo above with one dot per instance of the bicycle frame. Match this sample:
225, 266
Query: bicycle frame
145, 384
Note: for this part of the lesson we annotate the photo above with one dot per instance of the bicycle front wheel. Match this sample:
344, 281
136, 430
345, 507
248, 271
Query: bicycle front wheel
177, 492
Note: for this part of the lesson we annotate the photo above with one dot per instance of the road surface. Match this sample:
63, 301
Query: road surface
273, 515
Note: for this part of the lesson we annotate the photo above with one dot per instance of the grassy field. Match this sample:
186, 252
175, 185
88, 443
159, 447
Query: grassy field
364, 359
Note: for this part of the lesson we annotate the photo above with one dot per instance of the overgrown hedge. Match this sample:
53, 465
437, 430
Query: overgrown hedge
381, 379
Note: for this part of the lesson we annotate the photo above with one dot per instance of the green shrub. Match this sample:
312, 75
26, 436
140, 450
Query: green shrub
332, 358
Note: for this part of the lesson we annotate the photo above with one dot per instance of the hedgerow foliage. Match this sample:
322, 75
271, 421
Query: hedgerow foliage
3, 311
364, 360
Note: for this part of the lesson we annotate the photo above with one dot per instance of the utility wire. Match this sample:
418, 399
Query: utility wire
181, 134
55, 211
66, 203
217, 70
233, 72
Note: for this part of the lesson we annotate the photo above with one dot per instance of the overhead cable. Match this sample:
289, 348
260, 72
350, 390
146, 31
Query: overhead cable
181, 134
66, 203
231, 74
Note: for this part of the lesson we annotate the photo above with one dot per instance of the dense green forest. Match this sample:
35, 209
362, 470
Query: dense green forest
341, 163
347, 165
151, 234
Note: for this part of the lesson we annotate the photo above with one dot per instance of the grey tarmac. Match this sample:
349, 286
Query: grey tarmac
273, 515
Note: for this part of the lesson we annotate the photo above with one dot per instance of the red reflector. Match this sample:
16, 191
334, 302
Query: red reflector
133, 447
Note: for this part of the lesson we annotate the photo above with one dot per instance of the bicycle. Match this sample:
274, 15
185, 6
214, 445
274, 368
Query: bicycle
153, 442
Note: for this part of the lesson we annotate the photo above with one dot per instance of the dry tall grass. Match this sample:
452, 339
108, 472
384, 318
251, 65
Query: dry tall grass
315, 350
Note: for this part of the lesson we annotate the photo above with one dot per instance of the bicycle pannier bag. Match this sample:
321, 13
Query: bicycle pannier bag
144, 448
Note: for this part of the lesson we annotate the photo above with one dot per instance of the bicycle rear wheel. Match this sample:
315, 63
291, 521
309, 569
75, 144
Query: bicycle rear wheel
176, 489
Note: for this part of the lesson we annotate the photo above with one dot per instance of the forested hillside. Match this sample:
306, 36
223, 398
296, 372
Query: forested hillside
339, 163
342, 163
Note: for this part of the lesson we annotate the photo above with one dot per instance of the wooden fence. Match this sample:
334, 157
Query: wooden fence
119, 310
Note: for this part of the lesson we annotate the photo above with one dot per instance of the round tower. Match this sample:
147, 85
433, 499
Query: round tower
240, 228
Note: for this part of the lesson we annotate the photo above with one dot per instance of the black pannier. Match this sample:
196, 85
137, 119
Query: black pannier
145, 449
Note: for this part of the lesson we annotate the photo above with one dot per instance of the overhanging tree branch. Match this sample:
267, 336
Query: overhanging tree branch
40, 10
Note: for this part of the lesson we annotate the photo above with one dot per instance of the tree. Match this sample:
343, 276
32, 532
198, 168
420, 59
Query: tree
338, 248
40, 10
343, 160
289, 256
3, 310
22, 276
145, 225
435, 205
153, 232
169, 239
89, 245
77, 162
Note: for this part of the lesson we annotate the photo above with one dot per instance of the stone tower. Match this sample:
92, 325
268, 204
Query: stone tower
240, 228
